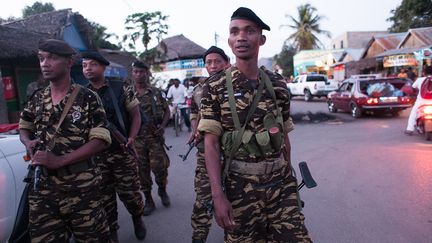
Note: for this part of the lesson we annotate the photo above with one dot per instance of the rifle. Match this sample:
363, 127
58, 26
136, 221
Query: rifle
147, 121
191, 146
118, 136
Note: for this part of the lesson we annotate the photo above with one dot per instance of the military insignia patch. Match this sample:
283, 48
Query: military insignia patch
76, 115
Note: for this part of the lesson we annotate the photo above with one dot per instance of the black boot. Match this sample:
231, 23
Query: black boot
139, 227
164, 197
149, 204
198, 241
114, 236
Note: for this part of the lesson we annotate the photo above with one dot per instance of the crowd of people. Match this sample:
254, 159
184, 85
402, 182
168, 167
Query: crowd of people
104, 140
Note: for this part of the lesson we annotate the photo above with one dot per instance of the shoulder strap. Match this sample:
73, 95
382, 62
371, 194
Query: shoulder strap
241, 130
117, 109
64, 113
270, 89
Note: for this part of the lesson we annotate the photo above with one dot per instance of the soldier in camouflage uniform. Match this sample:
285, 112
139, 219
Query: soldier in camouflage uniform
260, 203
150, 141
119, 169
215, 61
67, 201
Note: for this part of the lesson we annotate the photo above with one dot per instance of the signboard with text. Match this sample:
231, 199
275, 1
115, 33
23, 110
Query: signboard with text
400, 60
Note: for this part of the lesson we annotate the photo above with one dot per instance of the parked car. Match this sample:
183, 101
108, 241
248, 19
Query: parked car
12, 172
370, 95
311, 85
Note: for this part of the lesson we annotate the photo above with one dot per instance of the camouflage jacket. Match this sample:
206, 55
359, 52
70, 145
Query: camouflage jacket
85, 120
153, 106
216, 116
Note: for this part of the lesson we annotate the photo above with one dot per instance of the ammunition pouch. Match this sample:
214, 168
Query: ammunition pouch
257, 145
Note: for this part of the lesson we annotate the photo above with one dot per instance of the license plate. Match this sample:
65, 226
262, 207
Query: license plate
388, 99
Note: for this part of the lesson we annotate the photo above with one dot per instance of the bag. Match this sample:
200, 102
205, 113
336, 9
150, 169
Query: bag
426, 88
20, 232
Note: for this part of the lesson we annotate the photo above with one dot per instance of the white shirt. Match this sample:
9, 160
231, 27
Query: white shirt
178, 94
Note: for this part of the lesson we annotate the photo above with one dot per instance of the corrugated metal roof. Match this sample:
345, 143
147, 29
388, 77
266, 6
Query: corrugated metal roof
422, 34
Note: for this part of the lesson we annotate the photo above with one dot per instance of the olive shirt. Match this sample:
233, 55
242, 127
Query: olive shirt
154, 106
85, 120
216, 117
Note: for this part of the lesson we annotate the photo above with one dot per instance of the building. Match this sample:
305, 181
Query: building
353, 39
179, 58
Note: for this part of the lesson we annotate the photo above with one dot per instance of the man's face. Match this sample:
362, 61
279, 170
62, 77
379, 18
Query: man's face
54, 67
140, 75
214, 63
176, 83
245, 39
93, 70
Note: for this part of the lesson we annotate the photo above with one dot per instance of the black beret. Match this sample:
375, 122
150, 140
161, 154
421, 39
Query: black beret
96, 56
245, 13
215, 49
139, 64
57, 47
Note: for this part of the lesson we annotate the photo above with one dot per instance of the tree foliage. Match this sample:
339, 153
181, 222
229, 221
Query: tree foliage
143, 27
306, 28
411, 14
37, 8
285, 60
100, 37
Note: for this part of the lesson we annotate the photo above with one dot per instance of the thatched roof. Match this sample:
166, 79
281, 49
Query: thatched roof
179, 47
53, 23
16, 43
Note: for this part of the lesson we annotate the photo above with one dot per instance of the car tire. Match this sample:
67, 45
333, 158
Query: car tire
395, 113
307, 96
355, 111
428, 136
331, 106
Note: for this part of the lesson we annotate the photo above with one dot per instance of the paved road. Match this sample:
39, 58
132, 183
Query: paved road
374, 183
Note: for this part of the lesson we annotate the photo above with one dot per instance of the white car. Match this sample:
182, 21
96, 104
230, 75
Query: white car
13, 169
311, 85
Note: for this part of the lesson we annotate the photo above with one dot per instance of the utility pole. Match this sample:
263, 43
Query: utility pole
216, 37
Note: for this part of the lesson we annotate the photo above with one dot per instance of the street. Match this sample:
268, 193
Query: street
374, 182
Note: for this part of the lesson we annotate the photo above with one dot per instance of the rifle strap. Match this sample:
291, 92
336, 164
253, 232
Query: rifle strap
117, 110
65, 111
232, 103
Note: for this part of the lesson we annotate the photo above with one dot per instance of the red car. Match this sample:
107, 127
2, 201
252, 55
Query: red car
370, 95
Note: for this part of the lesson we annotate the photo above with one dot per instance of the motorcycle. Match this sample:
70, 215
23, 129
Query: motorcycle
424, 121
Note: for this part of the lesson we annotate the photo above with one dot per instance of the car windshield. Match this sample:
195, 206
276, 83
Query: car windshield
382, 87
316, 78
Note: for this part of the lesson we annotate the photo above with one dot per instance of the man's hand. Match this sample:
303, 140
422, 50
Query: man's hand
47, 159
30, 146
224, 212
130, 142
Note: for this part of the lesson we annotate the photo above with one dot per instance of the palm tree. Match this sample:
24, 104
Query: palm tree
306, 28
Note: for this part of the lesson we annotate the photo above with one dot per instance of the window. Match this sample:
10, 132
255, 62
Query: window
341, 44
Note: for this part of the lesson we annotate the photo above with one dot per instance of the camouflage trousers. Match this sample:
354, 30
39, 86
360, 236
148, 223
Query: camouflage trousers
153, 158
202, 213
66, 206
266, 208
120, 175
